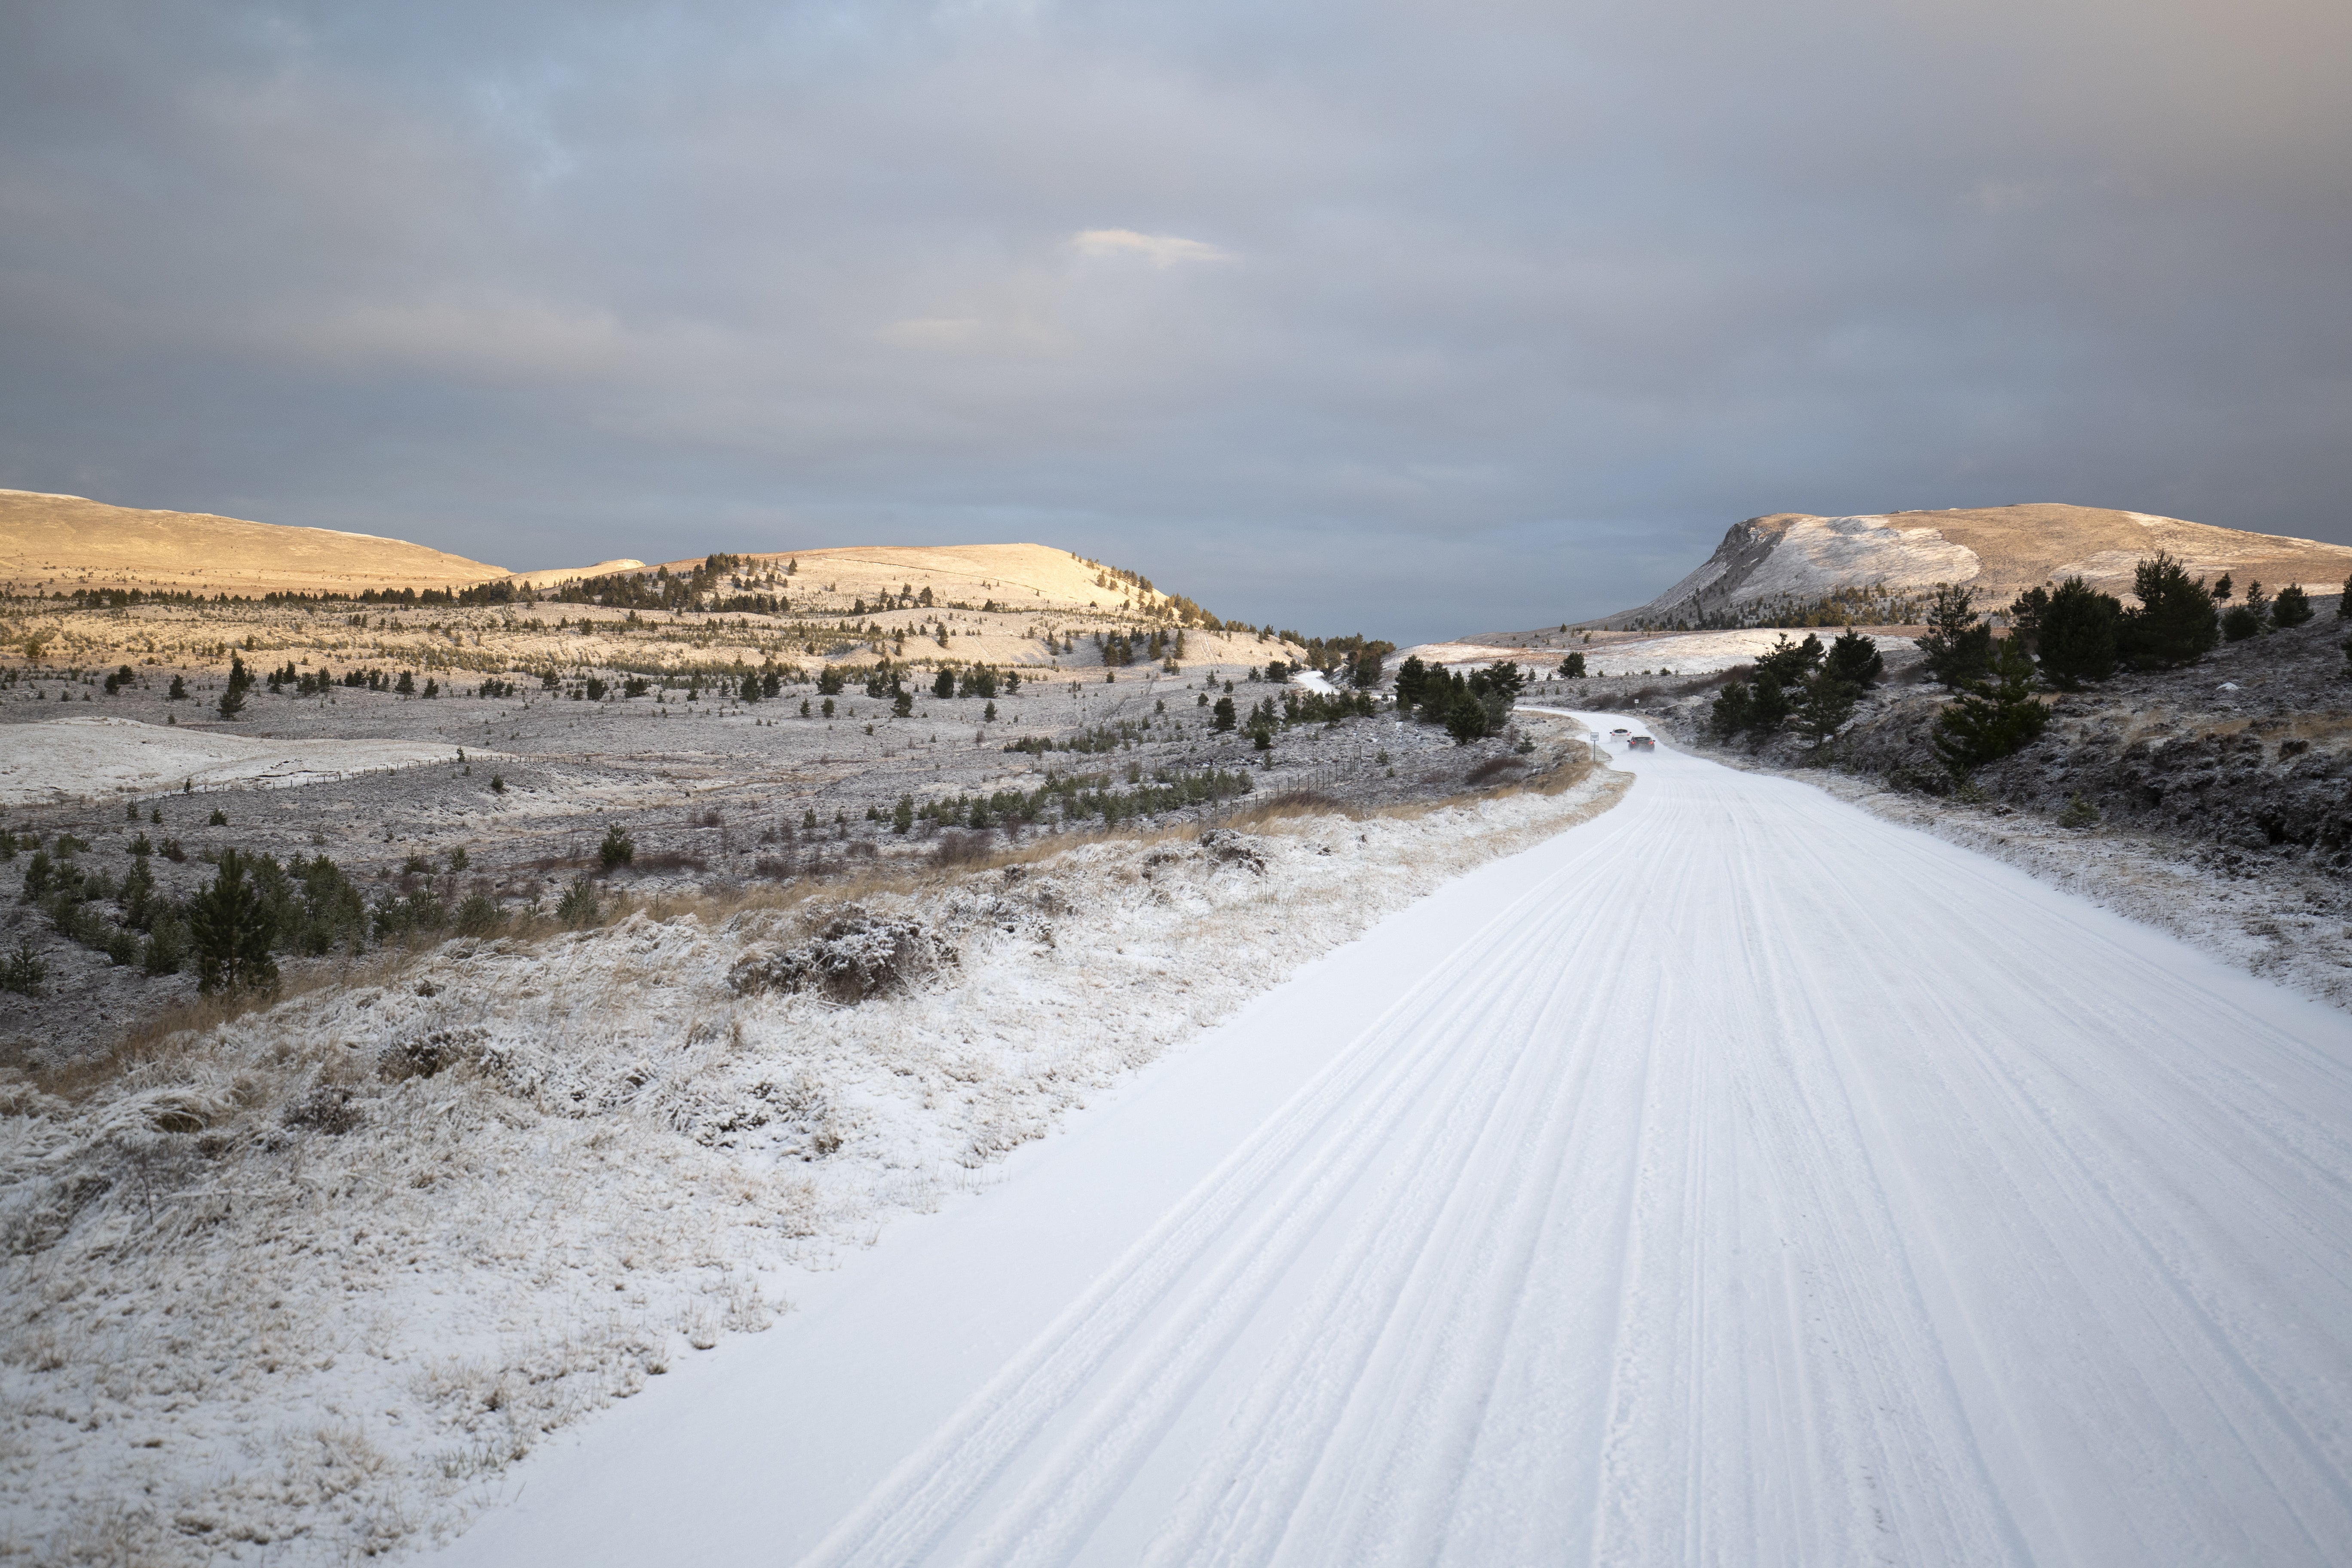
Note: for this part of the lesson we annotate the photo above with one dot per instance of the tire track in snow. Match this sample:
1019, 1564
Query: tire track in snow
1769, 1185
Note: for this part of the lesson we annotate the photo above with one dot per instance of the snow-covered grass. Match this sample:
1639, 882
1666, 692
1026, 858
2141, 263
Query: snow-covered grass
69, 759
295, 1285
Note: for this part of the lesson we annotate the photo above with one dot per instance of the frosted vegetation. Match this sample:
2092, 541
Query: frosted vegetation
311, 1276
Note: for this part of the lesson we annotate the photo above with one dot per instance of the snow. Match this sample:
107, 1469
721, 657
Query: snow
1736, 1177
1818, 553
1811, 555
1700, 653
567, 1164
1674, 653
66, 759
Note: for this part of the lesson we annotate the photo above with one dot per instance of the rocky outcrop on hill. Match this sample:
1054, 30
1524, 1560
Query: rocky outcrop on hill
1878, 566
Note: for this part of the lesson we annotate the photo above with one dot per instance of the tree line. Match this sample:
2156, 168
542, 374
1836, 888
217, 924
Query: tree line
2061, 637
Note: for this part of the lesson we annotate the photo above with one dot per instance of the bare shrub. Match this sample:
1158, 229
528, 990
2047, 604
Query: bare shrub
1493, 768
327, 1109
670, 860
1227, 847
426, 1055
856, 956
962, 847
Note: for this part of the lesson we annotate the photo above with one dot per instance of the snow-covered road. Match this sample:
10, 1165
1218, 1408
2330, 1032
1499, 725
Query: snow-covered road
1735, 1178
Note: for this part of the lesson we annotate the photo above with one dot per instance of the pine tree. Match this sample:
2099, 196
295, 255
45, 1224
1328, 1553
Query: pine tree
1855, 658
1465, 721
1734, 710
231, 924
1828, 704
1789, 663
1769, 708
2025, 613
1995, 717
1958, 649
2292, 608
2077, 635
2174, 623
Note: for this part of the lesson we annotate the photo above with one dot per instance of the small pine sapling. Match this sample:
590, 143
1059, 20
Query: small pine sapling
1958, 649
578, 906
1855, 658
231, 924
1828, 704
1995, 717
24, 973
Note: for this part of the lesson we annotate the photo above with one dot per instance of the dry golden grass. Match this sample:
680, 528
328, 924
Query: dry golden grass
66, 541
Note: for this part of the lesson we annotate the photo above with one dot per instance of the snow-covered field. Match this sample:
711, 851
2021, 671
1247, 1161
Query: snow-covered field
1737, 1178
73, 759
1676, 653
1701, 653
307, 1287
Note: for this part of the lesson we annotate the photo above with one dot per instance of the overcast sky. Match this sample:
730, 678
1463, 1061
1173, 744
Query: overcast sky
1412, 320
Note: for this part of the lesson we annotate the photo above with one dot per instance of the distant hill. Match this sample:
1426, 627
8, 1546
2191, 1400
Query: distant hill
1016, 577
1791, 559
50, 543
67, 542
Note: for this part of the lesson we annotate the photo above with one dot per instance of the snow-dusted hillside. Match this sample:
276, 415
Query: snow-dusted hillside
1796, 557
67, 758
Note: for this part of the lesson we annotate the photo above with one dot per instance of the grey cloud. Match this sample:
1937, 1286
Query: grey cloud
1430, 318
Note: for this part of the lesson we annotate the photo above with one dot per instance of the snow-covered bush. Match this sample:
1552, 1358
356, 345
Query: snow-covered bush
855, 956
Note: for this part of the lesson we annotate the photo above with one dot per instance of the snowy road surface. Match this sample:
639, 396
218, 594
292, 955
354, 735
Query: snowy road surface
1735, 1178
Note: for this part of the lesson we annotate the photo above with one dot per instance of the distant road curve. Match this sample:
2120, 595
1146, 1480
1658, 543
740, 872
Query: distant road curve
1758, 1183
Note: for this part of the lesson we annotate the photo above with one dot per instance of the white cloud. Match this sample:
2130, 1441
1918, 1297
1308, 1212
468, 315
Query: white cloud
1159, 250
